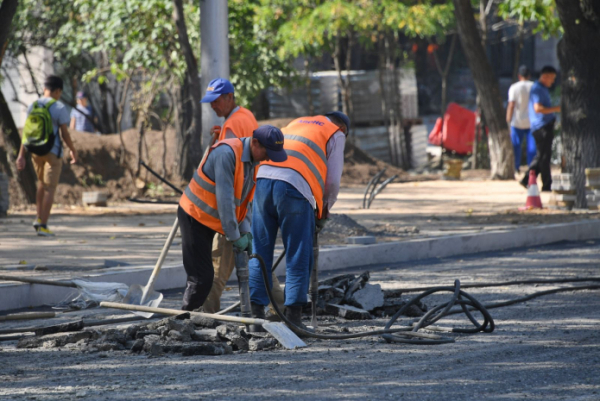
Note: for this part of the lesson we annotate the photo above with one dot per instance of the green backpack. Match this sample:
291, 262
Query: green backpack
38, 132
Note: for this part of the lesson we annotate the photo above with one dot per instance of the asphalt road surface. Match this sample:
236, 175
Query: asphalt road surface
544, 349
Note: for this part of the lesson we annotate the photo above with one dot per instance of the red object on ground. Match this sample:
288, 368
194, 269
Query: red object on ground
533, 194
457, 131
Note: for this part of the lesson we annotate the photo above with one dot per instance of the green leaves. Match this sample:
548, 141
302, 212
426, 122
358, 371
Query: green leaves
540, 12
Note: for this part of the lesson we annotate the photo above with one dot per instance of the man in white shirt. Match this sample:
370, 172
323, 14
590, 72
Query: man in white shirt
517, 116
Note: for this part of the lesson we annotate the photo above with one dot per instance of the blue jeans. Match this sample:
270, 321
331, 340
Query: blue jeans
517, 135
278, 204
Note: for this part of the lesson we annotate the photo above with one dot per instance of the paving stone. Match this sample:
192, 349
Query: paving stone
60, 328
138, 345
348, 312
149, 341
262, 344
361, 240
205, 349
209, 335
204, 322
368, 298
144, 333
238, 343
53, 340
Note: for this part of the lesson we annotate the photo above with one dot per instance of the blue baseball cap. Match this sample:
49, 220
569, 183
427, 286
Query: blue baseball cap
216, 88
272, 139
342, 117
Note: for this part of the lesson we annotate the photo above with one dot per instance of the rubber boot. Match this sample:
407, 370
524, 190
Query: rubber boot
294, 315
258, 312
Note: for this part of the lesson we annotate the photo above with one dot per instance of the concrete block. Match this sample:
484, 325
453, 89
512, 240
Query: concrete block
563, 197
53, 340
262, 344
204, 349
95, 198
204, 322
368, 298
137, 346
60, 328
207, 335
140, 334
361, 240
348, 312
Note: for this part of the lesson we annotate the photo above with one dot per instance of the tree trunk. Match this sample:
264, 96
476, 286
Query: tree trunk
7, 12
337, 56
26, 177
308, 83
444, 72
501, 153
579, 56
518, 49
194, 154
348, 94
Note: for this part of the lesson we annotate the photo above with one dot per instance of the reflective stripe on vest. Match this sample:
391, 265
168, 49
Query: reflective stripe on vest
242, 123
199, 198
306, 146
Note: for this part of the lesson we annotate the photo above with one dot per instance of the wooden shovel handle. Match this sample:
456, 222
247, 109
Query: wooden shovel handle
38, 281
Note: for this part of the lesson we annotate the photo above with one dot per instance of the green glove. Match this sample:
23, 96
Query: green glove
244, 243
320, 223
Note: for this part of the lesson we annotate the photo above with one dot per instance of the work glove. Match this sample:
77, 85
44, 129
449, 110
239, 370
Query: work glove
244, 243
320, 223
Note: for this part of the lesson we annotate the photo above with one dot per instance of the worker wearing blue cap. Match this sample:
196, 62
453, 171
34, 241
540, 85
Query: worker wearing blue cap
217, 200
239, 123
296, 197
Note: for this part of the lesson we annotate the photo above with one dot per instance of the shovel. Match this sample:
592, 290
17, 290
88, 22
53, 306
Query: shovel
314, 280
146, 296
280, 331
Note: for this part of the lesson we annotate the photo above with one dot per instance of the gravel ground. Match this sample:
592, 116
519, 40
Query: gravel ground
544, 349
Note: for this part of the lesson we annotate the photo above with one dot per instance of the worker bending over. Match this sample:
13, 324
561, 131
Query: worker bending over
294, 196
216, 200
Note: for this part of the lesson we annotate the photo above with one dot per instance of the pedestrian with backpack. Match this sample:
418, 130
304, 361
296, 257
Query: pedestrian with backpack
46, 123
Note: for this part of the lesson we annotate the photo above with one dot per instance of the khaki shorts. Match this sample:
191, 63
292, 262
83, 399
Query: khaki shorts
47, 169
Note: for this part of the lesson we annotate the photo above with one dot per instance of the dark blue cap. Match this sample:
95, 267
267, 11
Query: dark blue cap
342, 117
272, 139
216, 88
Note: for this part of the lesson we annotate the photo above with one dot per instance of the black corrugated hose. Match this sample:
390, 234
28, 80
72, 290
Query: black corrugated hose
402, 334
410, 334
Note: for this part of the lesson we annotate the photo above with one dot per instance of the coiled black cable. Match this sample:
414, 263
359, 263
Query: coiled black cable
407, 335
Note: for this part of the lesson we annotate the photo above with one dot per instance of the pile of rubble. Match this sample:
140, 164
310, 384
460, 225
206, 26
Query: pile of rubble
347, 296
352, 297
181, 334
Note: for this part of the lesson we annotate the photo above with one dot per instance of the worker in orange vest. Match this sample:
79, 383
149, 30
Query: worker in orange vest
239, 123
217, 200
296, 196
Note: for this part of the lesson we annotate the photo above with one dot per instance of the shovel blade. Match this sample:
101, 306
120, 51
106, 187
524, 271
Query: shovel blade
134, 297
284, 335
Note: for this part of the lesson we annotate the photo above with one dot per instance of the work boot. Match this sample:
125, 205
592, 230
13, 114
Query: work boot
258, 312
294, 315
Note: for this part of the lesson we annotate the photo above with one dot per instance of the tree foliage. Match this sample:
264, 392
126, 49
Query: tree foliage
542, 13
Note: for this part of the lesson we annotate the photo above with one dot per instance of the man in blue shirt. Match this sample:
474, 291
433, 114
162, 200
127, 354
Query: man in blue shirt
542, 118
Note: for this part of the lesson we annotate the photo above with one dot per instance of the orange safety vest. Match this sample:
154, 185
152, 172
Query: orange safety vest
242, 123
199, 199
305, 142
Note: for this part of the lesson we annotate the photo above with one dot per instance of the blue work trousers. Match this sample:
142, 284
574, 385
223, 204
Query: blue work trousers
278, 205
517, 136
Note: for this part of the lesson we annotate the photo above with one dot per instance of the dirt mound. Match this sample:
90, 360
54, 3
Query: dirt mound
103, 165
100, 166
